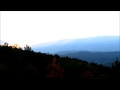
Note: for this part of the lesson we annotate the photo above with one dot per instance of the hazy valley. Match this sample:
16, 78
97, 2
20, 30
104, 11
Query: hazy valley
100, 49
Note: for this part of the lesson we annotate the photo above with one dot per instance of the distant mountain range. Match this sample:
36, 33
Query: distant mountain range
100, 49
105, 58
99, 43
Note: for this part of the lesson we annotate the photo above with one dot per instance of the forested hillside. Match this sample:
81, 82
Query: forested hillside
19, 64
103, 58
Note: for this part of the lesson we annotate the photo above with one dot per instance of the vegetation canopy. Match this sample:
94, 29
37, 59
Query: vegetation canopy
17, 63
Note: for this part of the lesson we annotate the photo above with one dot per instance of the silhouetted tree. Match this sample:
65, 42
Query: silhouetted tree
28, 48
5, 44
16, 63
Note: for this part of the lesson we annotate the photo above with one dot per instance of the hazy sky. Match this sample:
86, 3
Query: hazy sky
32, 27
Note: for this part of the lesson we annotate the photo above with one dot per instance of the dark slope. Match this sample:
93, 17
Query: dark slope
97, 57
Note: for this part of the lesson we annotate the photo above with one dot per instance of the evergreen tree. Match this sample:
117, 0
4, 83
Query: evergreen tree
27, 48
5, 44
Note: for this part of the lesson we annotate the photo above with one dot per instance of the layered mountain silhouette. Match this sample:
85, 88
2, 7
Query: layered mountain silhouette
104, 58
99, 43
101, 49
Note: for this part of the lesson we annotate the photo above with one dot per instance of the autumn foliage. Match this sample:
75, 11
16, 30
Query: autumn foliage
54, 70
87, 74
25, 64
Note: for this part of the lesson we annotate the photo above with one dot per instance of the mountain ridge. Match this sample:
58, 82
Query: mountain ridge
105, 58
99, 43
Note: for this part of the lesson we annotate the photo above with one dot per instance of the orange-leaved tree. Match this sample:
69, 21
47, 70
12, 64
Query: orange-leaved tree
54, 70
86, 74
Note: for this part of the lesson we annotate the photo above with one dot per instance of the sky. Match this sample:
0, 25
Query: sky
33, 27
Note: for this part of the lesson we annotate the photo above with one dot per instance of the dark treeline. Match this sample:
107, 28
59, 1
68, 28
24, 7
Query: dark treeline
19, 64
